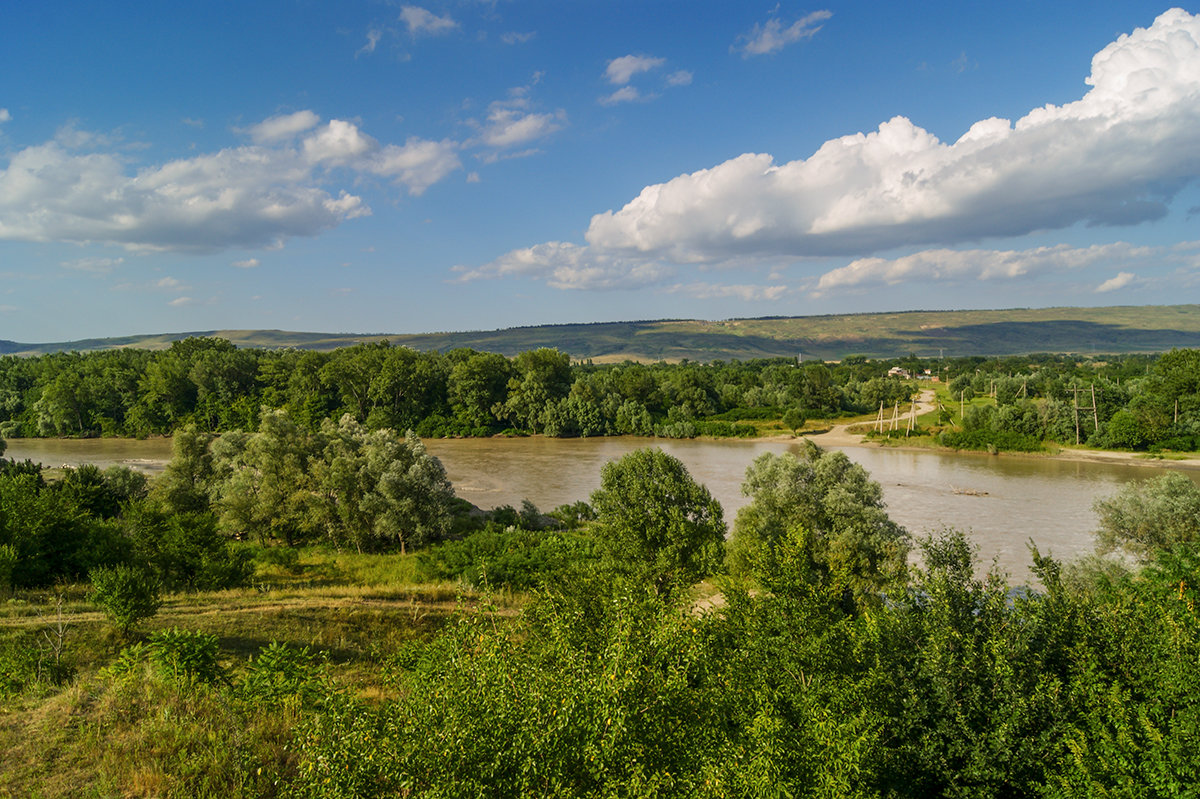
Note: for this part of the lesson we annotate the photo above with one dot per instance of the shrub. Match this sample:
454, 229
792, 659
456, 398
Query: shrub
185, 656
724, 429
8, 561
508, 556
18, 666
990, 440
281, 671
286, 558
125, 594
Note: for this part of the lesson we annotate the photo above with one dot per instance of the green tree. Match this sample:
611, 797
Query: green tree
187, 484
127, 595
836, 503
543, 377
1151, 515
380, 490
657, 523
477, 386
266, 489
793, 419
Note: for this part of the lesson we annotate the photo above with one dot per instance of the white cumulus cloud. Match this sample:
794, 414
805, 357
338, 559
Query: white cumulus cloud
248, 263
511, 127
568, 266
744, 292
100, 266
74, 188
1113, 157
511, 123
942, 265
1116, 156
772, 36
5, 116
625, 94
283, 127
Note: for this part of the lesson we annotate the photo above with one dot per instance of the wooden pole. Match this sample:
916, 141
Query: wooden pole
1075, 404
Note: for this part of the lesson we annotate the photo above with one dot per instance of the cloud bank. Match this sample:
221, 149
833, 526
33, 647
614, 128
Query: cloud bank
977, 265
1115, 157
251, 196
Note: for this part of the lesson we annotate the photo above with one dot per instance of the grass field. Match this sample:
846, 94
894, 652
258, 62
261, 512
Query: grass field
100, 735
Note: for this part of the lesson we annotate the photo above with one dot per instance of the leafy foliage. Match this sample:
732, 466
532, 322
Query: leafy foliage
126, 594
828, 507
510, 556
1150, 516
657, 523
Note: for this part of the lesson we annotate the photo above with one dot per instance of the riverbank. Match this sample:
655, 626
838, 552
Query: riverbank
840, 436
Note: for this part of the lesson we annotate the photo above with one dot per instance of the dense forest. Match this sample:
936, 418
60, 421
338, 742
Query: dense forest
1130, 402
217, 387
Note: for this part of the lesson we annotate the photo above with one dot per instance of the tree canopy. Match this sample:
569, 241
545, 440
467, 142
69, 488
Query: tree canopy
657, 523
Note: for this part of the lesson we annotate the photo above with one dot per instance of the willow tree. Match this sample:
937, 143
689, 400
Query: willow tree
380, 489
657, 523
832, 507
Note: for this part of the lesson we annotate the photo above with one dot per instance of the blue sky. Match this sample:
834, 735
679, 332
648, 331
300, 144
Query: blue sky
411, 167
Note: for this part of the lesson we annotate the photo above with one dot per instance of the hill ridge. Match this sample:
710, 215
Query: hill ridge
1009, 331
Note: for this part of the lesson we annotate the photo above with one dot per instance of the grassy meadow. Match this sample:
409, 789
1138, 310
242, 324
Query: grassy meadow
104, 735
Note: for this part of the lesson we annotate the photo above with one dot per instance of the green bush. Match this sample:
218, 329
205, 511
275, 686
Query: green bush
8, 562
126, 595
509, 556
990, 440
281, 671
745, 414
286, 558
725, 430
18, 665
185, 656
185, 550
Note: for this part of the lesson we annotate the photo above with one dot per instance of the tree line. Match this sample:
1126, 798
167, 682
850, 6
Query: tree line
209, 383
1127, 402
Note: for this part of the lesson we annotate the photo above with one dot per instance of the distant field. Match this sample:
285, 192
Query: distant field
954, 333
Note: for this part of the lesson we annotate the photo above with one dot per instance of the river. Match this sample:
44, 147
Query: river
1002, 501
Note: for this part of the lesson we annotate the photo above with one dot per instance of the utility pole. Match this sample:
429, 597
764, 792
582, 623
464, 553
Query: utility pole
1075, 406
1095, 411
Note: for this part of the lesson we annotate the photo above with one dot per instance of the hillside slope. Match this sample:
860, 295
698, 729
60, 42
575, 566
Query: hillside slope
953, 333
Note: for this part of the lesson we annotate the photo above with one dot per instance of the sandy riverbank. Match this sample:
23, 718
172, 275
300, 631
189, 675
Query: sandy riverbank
840, 436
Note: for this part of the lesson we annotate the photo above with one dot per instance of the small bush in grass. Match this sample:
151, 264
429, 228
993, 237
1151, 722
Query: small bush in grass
126, 594
185, 656
281, 671
18, 666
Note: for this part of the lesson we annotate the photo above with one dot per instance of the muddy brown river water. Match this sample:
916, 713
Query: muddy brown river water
1003, 501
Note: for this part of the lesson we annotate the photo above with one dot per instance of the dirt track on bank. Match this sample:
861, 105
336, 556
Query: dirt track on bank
840, 436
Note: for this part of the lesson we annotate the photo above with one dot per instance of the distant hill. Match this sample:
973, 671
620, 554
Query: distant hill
1121, 329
